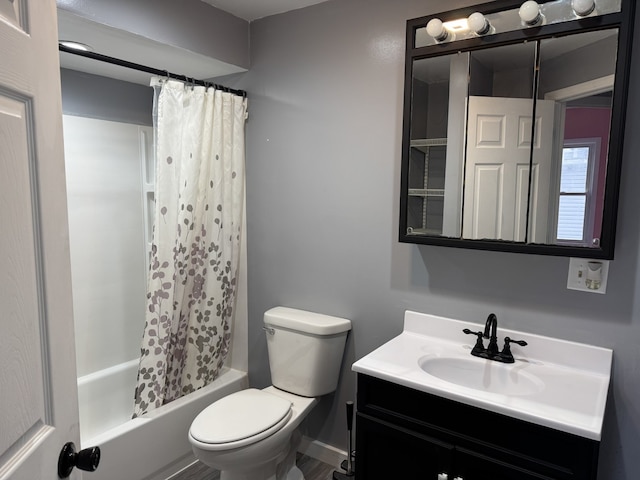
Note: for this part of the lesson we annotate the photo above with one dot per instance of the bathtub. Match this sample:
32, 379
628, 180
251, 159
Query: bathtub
151, 447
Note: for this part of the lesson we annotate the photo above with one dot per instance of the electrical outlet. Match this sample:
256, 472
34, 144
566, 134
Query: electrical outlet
588, 275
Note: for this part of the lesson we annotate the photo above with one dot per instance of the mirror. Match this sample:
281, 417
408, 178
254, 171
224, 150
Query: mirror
479, 172
577, 75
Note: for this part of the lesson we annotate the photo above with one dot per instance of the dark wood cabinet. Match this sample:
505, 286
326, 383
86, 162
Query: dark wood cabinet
402, 433
396, 452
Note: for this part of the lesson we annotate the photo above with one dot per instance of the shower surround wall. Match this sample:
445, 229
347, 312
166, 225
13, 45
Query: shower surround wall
323, 178
106, 232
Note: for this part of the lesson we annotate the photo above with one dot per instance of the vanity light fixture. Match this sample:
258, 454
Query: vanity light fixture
456, 25
583, 7
479, 23
518, 15
530, 13
435, 29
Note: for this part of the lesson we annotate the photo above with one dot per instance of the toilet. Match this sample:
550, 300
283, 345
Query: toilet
253, 434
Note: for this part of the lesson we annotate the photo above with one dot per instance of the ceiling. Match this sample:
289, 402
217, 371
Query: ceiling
133, 48
127, 46
255, 9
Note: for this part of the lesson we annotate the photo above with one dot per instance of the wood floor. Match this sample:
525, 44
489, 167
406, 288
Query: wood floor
311, 468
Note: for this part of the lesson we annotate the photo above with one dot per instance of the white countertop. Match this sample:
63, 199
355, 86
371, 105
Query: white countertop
570, 380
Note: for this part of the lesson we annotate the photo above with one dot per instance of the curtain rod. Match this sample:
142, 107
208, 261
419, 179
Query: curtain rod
144, 68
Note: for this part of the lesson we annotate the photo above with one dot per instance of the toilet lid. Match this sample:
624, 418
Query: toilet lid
241, 418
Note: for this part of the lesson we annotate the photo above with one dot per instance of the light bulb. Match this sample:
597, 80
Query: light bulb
435, 28
479, 23
583, 7
530, 13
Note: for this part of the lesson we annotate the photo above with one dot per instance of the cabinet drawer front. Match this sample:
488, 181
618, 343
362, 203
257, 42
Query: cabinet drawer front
385, 451
557, 454
471, 466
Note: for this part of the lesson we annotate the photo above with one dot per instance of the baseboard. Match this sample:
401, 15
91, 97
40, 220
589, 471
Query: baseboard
321, 451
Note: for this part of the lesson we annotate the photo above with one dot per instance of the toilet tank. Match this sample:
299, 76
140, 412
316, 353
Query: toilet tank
305, 350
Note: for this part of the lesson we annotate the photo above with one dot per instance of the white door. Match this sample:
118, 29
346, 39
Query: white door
542, 209
497, 169
38, 393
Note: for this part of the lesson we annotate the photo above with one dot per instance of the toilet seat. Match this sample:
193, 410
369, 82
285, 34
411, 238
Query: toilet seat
240, 419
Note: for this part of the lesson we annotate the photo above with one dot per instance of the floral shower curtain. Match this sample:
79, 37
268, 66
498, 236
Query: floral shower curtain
195, 250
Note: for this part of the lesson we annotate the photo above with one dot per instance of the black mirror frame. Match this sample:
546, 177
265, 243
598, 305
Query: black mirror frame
624, 22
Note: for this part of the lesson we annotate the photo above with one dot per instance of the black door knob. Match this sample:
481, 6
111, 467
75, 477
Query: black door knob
86, 459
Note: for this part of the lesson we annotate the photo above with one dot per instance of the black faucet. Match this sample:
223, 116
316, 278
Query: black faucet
492, 352
491, 326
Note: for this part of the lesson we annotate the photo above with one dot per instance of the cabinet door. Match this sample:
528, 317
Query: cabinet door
385, 451
473, 466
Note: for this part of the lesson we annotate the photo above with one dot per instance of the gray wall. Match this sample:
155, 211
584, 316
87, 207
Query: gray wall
189, 24
93, 96
323, 179
590, 62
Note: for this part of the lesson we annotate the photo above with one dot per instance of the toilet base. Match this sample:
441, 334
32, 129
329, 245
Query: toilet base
282, 468
295, 474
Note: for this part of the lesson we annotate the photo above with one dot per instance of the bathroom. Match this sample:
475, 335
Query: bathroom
324, 133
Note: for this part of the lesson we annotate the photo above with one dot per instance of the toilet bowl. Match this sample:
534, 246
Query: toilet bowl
254, 434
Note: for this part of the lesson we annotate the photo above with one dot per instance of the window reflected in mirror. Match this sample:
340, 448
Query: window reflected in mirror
577, 74
576, 191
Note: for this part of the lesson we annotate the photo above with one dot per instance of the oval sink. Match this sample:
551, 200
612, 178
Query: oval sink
484, 375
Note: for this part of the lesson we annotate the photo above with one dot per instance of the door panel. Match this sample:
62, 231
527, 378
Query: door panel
24, 378
38, 398
487, 202
499, 140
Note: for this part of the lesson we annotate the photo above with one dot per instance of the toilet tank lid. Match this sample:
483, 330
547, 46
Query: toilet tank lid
308, 322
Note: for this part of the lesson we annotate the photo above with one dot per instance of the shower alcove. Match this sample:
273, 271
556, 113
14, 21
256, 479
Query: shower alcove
109, 168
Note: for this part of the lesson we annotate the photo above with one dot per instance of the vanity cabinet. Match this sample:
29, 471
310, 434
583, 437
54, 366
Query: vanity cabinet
405, 433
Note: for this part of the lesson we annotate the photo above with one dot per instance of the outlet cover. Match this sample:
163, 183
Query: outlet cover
588, 275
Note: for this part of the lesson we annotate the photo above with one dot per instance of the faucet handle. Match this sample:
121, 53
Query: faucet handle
478, 349
471, 332
505, 355
508, 340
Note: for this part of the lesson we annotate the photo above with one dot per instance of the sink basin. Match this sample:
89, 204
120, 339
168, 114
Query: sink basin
484, 375
554, 383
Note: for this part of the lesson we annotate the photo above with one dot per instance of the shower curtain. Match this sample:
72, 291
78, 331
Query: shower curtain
194, 258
